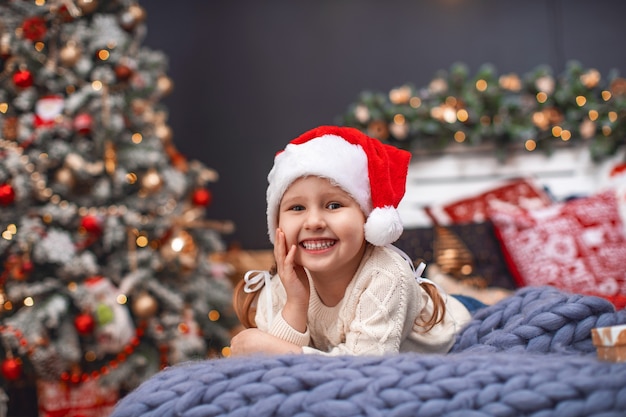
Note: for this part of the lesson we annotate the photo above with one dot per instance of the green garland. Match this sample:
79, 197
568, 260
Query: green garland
502, 112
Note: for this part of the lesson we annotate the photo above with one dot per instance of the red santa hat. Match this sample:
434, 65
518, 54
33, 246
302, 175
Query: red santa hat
373, 173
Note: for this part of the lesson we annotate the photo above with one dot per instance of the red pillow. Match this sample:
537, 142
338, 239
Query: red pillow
578, 246
519, 192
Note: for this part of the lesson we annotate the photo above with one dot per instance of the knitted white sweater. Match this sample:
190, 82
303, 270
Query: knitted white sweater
379, 313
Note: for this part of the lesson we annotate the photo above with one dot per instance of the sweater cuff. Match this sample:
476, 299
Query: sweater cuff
281, 329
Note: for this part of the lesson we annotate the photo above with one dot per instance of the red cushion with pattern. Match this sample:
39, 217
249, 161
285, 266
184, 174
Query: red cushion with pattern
520, 192
577, 246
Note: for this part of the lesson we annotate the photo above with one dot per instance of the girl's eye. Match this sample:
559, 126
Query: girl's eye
334, 206
297, 208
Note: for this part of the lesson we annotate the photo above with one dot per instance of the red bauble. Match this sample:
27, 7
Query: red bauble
123, 72
34, 28
7, 194
91, 224
202, 197
84, 323
23, 78
27, 267
12, 369
83, 123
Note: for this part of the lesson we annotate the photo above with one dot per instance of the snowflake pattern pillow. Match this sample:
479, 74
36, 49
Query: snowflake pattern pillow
578, 246
520, 192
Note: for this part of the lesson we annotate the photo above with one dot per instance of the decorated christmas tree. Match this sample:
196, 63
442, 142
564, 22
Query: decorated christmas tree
107, 271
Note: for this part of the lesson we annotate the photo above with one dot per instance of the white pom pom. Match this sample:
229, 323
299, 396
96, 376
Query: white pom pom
383, 226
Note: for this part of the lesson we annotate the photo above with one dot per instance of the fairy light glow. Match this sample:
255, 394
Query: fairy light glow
566, 135
4, 107
29, 302
415, 102
556, 131
141, 241
449, 115
96, 85
103, 54
177, 244
10, 231
606, 95
542, 97
399, 119
462, 115
459, 136
593, 115
581, 100
121, 299
136, 138
481, 85
613, 116
530, 145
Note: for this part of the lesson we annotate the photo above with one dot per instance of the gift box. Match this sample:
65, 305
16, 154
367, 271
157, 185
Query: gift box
610, 343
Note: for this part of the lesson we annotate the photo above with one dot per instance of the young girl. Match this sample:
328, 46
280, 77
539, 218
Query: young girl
340, 287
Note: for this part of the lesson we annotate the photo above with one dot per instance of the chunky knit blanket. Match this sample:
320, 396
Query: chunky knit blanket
529, 355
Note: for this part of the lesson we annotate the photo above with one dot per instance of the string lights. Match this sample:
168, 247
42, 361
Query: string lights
499, 112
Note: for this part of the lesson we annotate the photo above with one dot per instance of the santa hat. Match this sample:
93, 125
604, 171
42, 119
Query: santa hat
373, 173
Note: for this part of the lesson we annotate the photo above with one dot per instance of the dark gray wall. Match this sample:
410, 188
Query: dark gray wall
251, 75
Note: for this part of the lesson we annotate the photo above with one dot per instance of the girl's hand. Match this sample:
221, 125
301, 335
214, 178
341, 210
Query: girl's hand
295, 281
253, 341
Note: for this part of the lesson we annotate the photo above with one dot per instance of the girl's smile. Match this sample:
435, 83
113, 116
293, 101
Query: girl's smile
317, 245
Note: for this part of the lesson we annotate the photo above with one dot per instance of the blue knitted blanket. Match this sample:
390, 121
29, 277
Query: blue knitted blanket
529, 355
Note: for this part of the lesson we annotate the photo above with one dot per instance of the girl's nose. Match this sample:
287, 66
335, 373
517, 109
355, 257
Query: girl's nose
314, 220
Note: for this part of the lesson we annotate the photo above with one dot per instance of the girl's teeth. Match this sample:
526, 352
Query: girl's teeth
317, 245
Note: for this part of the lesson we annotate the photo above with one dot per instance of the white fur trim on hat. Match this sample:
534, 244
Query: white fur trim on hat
328, 156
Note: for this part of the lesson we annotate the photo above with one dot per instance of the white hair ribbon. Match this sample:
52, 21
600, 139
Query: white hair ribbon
416, 272
254, 281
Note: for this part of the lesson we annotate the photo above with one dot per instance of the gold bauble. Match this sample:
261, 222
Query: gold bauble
400, 95
139, 106
69, 54
5, 45
151, 182
163, 132
87, 6
378, 129
66, 177
137, 12
145, 306
134, 15
587, 129
165, 85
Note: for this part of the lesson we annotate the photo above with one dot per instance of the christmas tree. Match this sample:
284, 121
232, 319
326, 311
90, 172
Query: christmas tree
106, 266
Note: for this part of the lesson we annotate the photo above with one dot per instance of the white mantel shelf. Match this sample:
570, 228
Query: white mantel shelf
446, 177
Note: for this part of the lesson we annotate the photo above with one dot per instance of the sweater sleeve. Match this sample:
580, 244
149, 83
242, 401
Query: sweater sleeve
269, 318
